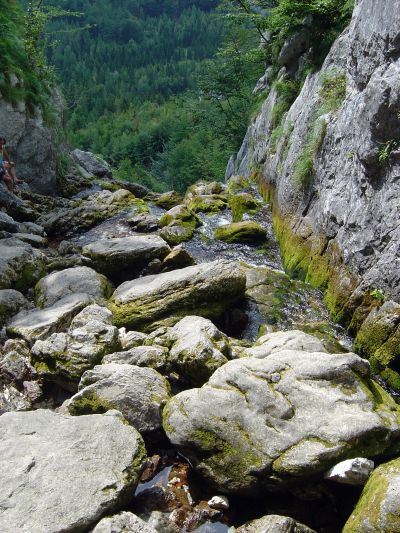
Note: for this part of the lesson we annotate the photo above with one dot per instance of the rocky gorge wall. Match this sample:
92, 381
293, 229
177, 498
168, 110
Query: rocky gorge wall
332, 175
32, 144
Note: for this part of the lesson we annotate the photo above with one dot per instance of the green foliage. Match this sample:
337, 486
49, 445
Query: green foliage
385, 151
329, 18
287, 91
24, 73
377, 294
332, 92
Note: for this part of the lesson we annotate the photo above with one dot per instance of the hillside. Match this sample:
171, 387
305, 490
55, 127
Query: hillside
133, 93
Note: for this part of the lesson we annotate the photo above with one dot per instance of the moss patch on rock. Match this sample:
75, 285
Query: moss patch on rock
242, 203
242, 232
207, 203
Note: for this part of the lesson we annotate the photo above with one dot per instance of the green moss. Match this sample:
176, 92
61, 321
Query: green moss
31, 272
245, 232
169, 199
184, 216
207, 204
89, 403
242, 203
133, 472
237, 184
177, 234
370, 513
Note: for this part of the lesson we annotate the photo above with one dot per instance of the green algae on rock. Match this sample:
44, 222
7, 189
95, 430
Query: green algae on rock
242, 232
378, 510
203, 290
212, 203
242, 203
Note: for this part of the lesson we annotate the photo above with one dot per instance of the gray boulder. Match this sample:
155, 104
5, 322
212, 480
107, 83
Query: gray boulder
198, 348
277, 421
156, 357
91, 163
125, 257
10, 303
284, 340
204, 290
64, 357
378, 508
274, 524
15, 366
79, 280
37, 241
7, 223
131, 339
20, 265
123, 523
351, 472
41, 323
139, 393
61, 474
82, 214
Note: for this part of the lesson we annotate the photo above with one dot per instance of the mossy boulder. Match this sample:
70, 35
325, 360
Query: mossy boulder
237, 183
379, 340
207, 203
138, 393
278, 421
64, 357
10, 303
83, 214
205, 188
182, 214
21, 266
203, 290
378, 510
169, 199
241, 232
176, 233
242, 203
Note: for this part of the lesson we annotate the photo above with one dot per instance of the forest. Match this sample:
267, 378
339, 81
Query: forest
147, 88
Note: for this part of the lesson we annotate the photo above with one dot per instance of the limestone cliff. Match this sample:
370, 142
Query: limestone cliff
31, 142
333, 177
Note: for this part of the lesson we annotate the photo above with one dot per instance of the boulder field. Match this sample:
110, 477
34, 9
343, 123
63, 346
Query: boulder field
160, 372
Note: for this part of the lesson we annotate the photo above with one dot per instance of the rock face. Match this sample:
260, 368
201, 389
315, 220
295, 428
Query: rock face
79, 280
123, 258
284, 340
205, 290
138, 393
276, 421
62, 473
338, 226
64, 357
32, 145
378, 510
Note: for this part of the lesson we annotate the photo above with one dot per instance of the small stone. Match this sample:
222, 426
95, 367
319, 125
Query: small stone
219, 502
351, 472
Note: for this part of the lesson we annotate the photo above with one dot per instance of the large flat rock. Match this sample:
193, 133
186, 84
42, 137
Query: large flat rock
122, 258
204, 290
41, 323
283, 419
63, 474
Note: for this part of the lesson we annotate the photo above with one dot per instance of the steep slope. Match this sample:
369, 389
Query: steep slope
332, 167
